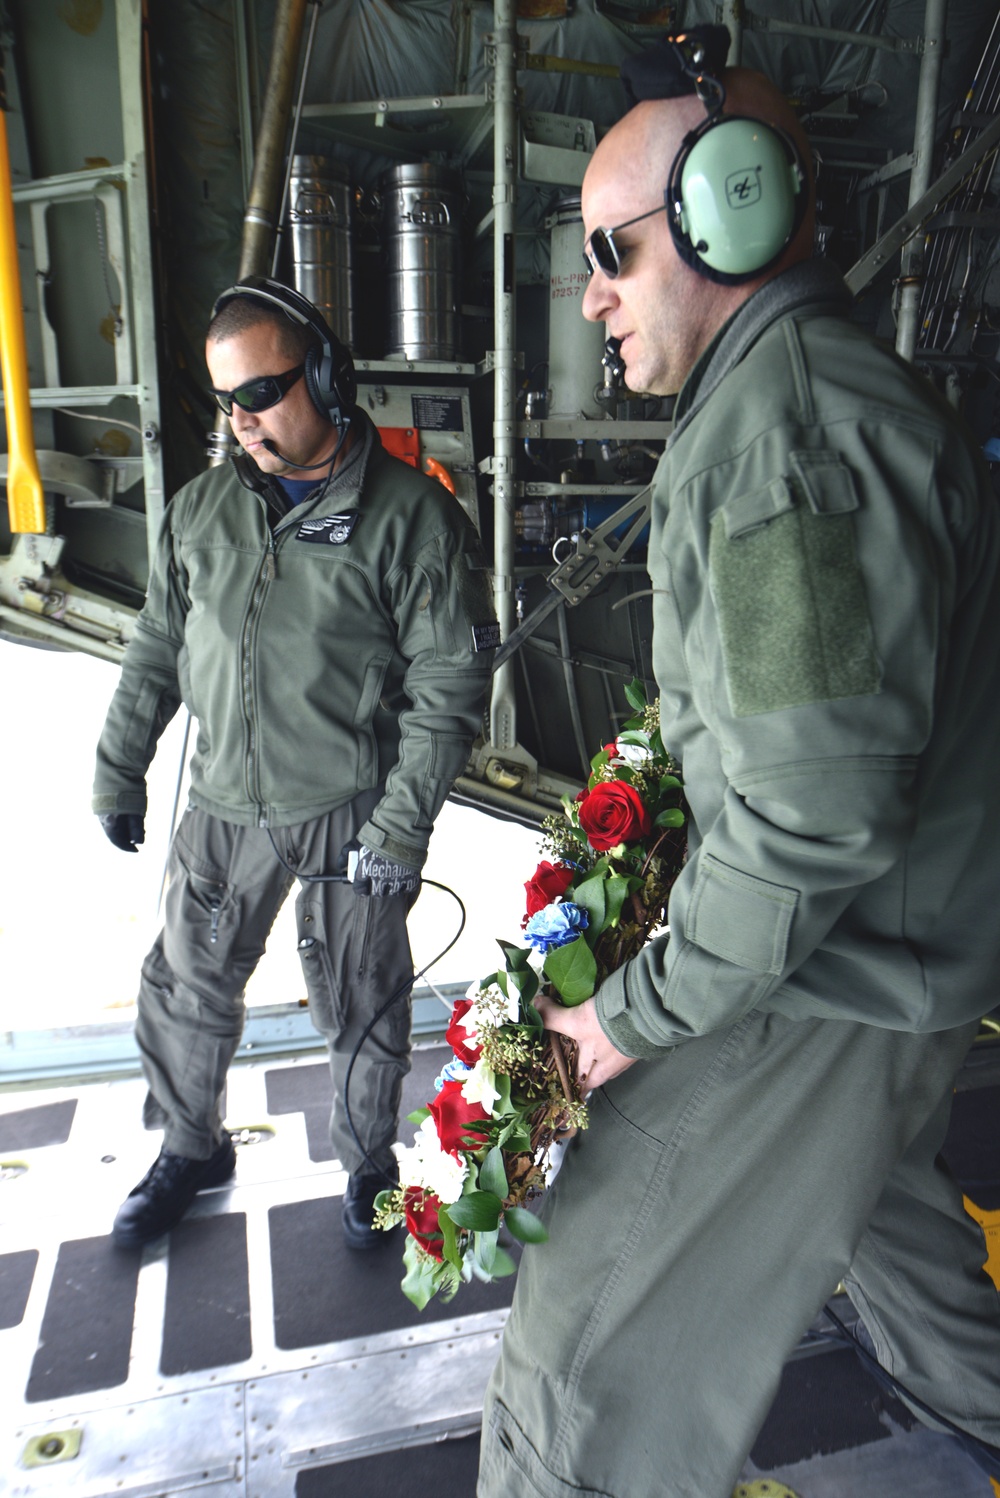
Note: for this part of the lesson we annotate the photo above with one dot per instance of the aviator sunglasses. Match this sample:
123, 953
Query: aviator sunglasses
601, 253
259, 394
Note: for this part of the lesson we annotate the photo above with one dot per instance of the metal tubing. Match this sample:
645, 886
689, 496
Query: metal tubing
260, 217
25, 500
503, 712
925, 128
300, 100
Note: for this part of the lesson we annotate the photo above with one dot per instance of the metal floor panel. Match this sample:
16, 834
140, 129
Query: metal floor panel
311, 1410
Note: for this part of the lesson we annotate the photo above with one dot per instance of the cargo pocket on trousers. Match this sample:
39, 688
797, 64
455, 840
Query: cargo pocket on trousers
203, 907
323, 989
506, 1447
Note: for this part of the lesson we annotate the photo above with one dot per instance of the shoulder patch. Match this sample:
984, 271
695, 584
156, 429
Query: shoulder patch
328, 530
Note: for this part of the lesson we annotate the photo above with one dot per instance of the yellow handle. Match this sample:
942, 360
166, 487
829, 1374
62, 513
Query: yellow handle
25, 499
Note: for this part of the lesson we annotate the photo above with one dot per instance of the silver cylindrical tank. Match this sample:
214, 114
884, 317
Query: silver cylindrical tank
320, 215
422, 238
575, 345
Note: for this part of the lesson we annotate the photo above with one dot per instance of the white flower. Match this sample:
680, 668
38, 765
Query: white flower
480, 1086
427, 1165
634, 755
491, 1008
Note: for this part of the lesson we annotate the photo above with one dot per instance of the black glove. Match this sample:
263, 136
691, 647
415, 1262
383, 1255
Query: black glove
377, 875
124, 828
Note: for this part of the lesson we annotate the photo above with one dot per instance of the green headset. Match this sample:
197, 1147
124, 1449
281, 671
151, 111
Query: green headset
736, 194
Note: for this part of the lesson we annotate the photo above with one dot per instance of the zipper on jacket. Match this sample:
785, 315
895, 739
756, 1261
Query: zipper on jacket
265, 575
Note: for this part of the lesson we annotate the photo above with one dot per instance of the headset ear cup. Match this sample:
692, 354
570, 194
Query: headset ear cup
314, 382
739, 187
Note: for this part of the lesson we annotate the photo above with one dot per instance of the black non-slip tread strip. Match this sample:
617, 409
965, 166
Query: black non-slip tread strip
17, 1274
86, 1335
309, 1090
446, 1467
825, 1404
327, 1292
206, 1318
35, 1128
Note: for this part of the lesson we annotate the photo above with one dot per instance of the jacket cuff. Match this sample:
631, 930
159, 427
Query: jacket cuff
407, 853
133, 801
612, 1007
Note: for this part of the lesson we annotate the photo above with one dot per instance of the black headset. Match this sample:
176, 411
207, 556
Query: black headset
737, 191
329, 368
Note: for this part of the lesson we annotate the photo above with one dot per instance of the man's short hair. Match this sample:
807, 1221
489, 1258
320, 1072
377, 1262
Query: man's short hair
242, 313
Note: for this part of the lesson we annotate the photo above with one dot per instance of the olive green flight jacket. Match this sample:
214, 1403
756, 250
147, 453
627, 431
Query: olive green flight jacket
345, 644
825, 558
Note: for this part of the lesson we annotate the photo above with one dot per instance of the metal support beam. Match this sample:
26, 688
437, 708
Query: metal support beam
875, 260
503, 713
925, 129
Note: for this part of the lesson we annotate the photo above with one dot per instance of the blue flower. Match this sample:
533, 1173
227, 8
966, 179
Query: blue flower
455, 1071
557, 924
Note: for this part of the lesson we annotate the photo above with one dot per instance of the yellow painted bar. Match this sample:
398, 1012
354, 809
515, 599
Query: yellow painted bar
25, 500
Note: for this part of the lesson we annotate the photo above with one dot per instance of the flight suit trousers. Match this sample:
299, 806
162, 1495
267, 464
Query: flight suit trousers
226, 886
697, 1227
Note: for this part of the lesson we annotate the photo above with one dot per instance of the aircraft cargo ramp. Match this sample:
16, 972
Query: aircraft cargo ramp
251, 1355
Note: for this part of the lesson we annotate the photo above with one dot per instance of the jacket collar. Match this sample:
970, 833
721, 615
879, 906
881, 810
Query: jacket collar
815, 287
345, 486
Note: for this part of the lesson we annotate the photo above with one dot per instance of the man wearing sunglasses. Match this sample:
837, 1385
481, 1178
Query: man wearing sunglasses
772, 1080
324, 612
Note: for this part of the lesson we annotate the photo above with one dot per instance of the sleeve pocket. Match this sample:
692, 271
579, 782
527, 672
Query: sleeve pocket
741, 918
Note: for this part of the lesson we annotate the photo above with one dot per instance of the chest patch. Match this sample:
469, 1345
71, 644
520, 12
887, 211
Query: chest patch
328, 530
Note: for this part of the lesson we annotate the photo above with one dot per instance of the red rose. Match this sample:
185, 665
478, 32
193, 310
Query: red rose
458, 1036
613, 813
611, 750
454, 1117
421, 1208
547, 883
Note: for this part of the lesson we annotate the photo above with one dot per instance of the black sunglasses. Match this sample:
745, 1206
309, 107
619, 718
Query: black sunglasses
600, 251
260, 394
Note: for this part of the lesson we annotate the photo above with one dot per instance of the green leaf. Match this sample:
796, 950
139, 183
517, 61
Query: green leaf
492, 1176
635, 694
503, 1264
450, 1236
670, 783
479, 1211
484, 1248
572, 971
418, 1115
525, 980
590, 896
516, 958
525, 1226
423, 1278
634, 736
502, 1106
599, 760
616, 893
516, 1136
672, 817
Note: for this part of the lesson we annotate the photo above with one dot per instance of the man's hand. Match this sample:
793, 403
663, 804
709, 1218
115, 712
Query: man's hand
124, 828
597, 1060
377, 875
